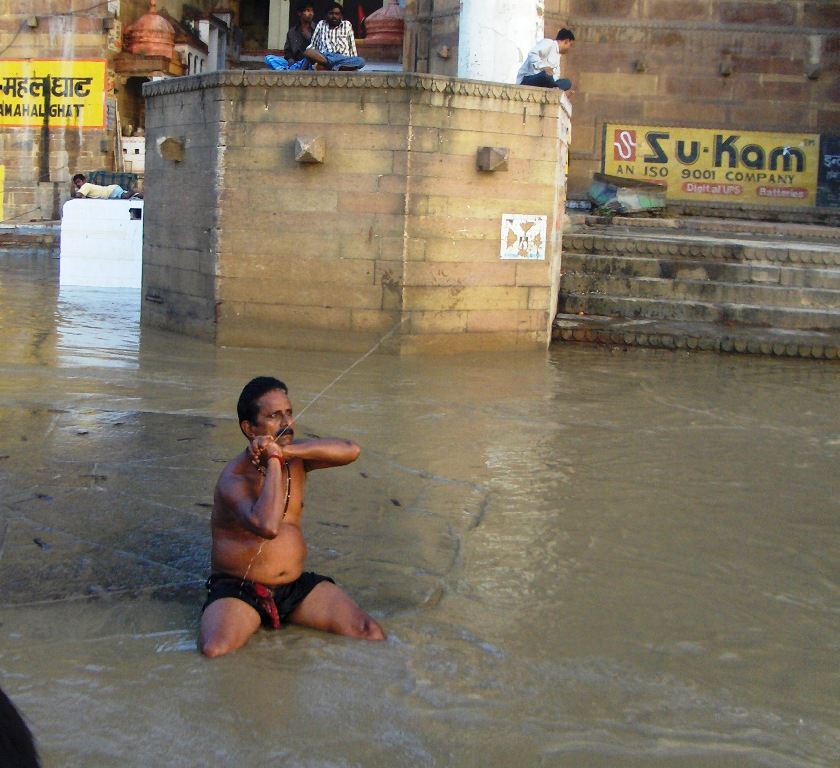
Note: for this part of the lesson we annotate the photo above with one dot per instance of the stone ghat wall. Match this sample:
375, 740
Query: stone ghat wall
181, 196
397, 226
38, 162
659, 62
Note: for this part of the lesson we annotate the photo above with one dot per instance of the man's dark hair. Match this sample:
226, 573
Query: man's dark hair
336, 5
16, 745
79, 176
246, 408
565, 34
302, 5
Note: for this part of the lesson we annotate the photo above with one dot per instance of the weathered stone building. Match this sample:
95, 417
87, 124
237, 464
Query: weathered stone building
733, 65
119, 45
447, 194
70, 87
346, 205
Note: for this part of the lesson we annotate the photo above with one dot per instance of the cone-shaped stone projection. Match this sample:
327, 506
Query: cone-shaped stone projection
310, 149
492, 158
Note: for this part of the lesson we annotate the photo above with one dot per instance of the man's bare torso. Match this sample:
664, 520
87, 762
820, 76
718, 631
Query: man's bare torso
256, 526
240, 552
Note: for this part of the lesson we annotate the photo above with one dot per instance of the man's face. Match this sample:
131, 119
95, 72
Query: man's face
334, 17
564, 46
78, 183
274, 417
306, 15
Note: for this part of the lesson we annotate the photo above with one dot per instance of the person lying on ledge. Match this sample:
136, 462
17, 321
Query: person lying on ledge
333, 43
97, 192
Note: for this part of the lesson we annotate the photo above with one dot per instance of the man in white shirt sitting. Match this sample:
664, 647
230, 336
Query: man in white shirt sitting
542, 64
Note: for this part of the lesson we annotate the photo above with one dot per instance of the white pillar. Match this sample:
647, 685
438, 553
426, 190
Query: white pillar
278, 23
494, 36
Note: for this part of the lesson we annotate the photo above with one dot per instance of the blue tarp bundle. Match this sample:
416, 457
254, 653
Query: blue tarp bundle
127, 181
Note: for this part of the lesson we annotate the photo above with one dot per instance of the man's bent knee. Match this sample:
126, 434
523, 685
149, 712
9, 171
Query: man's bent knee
368, 629
213, 649
375, 633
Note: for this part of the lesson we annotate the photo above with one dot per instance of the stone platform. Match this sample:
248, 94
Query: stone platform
37, 238
330, 210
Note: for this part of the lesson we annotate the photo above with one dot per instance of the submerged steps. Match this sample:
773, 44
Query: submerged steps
717, 287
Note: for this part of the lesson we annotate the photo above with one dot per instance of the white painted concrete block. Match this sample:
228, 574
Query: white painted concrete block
134, 153
102, 243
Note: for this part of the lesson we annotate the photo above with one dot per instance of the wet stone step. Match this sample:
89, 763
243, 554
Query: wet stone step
719, 227
804, 276
736, 290
699, 311
700, 290
709, 249
674, 335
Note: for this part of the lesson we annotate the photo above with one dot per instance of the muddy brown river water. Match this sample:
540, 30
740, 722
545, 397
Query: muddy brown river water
585, 557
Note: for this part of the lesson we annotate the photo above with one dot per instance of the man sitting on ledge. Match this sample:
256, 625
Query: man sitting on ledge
542, 64
333, 43
297, 41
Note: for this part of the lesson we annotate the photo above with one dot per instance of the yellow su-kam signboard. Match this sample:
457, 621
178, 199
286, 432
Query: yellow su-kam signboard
709, 165
62, 92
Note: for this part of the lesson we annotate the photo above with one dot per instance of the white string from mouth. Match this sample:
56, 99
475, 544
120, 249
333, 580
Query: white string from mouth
342, 375
311, 402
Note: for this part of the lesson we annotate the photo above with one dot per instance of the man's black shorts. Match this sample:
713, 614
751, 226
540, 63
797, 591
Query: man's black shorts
274, 604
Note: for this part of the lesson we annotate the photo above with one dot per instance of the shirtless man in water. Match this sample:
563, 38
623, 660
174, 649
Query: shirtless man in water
258, 547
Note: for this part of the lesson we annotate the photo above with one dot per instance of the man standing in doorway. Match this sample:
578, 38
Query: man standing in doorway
542, 64
333, 43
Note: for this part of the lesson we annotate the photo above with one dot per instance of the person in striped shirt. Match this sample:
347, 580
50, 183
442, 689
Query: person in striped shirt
333, 43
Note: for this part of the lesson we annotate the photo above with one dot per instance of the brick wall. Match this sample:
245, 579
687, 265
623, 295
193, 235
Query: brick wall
431, 36
658, 62
181, 227
397, 225
39, 162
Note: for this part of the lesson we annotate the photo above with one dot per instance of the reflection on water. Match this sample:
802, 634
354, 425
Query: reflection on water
98, 326
74, 325
587, 558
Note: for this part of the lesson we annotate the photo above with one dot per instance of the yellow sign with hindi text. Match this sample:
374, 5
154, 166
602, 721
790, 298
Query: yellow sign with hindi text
721, 166
59, 92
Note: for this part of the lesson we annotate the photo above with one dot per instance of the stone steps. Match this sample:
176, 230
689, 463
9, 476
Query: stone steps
702, 311
726, 291
675, 335
658, 245
700, 290
41, 237
717, 226
759, 273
